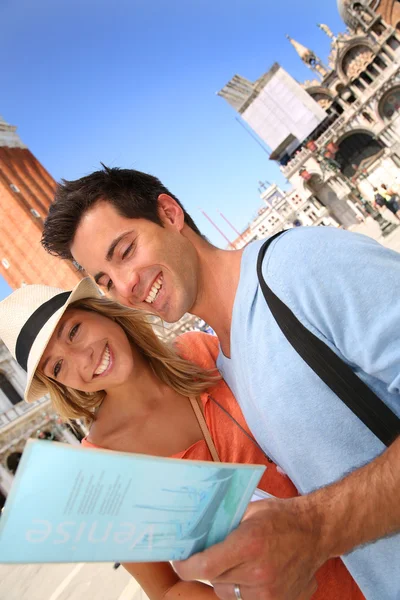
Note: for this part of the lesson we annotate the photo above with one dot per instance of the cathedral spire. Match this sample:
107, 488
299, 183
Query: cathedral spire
309, 58
327, 30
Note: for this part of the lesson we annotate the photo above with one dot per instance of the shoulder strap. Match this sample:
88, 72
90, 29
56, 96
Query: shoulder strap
337, 375
203, 426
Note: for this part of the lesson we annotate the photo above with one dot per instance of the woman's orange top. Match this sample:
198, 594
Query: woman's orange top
234, 446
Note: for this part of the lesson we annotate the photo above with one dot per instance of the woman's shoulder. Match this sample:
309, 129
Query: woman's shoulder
199, 348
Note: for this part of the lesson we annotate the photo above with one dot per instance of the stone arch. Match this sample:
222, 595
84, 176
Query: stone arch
356, 60
321, 95
13, 461
357, 150
350, 52
389, 104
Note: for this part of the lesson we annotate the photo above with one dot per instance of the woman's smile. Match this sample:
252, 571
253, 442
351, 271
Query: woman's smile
105, 363
99, 349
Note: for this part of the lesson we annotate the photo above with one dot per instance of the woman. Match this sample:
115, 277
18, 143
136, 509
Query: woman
103, 363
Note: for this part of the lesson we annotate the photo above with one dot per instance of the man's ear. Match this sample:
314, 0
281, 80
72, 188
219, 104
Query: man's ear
170, 212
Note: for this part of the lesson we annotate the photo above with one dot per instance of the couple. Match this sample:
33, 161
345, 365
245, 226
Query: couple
135, 239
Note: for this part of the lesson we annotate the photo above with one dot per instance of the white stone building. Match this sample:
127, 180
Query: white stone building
284, 210
20, 421
355, 144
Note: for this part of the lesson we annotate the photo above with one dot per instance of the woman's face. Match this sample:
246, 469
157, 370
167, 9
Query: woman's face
88, 352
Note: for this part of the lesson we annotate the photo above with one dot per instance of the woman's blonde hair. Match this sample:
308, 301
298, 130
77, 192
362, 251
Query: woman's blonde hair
181, 375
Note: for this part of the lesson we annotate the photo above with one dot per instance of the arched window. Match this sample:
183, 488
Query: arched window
390, 103
9, 390
356, 151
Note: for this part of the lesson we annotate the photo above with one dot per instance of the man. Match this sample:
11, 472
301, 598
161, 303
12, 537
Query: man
134, 237
385, 200
390, 200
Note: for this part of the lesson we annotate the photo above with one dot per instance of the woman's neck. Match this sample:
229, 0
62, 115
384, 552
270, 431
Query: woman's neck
145, 416
143, 390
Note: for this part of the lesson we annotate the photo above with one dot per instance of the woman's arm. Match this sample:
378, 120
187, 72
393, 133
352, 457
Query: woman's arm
160, 582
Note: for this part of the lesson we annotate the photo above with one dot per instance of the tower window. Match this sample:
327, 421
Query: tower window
393, 43
5, 263
14, 188
380, 62
9, 390
35, 213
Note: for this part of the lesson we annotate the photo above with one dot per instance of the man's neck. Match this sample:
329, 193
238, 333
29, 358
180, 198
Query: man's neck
218, 280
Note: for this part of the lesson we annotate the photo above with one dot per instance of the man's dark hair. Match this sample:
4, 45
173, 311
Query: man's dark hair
132, 193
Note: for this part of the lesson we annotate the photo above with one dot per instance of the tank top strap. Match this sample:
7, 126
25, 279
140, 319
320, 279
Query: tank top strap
203, 426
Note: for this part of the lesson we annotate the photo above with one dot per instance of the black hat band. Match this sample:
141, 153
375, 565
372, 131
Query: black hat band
34, 324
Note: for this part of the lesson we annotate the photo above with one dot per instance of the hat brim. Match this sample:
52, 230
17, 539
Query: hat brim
34, 390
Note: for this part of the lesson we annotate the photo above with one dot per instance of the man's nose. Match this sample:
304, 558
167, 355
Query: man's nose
126, 287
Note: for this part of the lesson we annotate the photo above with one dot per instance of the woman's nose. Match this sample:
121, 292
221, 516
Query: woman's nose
84, 355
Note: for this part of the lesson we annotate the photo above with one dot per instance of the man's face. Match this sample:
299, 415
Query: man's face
137, 262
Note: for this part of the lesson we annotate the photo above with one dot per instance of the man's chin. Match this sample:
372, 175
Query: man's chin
171, 316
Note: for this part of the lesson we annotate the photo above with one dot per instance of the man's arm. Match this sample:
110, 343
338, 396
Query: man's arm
280, 544
362, 507
349, 292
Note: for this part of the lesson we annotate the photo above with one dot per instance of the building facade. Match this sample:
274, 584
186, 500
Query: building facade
355, 147
283, 210
26, 191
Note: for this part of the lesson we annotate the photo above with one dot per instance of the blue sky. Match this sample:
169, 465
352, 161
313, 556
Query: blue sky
133, 83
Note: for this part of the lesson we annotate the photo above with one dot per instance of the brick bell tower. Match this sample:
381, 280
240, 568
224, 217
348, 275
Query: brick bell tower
26, 192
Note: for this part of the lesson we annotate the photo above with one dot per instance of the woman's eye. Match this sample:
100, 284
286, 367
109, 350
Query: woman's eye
109, 285
57, 368
74, 331
127, 251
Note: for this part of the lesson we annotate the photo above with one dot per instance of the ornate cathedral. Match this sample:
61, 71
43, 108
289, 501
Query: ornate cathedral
356, 148
336, 136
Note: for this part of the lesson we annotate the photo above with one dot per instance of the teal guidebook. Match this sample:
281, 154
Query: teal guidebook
73, 504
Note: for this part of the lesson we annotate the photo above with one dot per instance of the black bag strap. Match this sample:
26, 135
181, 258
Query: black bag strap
337, 375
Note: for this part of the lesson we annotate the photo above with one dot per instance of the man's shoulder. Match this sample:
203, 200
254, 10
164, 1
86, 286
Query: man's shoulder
305, 264
307, 250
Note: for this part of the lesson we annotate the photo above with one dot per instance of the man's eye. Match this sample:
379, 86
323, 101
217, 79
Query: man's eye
127, 251
74, 331
57, 368
107, 284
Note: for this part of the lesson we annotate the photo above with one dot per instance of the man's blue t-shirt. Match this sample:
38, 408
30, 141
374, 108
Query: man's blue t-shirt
345, 288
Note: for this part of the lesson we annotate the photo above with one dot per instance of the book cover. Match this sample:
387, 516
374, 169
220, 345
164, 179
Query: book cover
73, 504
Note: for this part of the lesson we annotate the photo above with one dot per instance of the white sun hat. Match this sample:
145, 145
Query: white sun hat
28, 318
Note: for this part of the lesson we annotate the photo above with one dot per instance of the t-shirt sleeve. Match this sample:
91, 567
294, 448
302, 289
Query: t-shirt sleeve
345, 288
